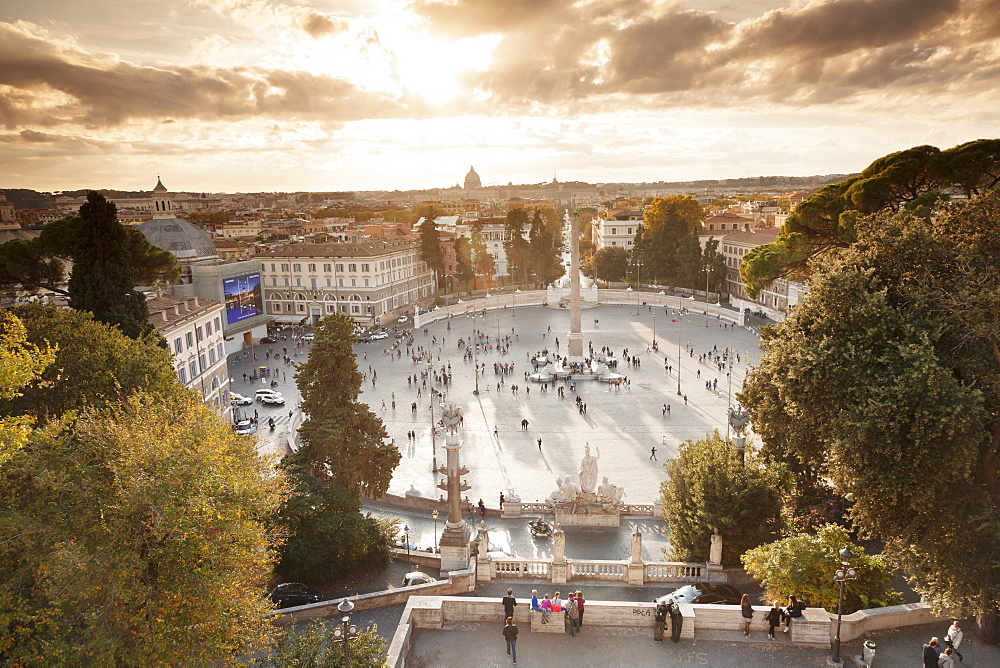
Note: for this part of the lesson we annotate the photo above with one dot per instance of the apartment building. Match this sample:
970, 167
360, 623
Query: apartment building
192, 328
368, 281
494, 234
777, 299
617, 227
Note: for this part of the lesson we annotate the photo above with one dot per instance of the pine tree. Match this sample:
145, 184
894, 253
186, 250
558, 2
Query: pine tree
104, 276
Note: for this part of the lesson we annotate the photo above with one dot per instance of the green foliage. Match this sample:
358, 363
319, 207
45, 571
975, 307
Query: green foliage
103, 278
94, 364
713, 266
430, 243
811, 506
516, 246
313, 646
887, 381
21, 362
610, 263
342, 439
464, 270
482, 261
803, 565
135, 535
707, 488
328, 536
890, 183
667, 244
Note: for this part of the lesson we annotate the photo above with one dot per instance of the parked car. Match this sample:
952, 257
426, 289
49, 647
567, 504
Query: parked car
377, 336
365, 338
291, 594
269, 397
245, 427
705, 592
237, 399
403, 319
417, 578
268, 339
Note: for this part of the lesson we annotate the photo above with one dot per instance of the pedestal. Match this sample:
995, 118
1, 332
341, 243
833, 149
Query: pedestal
566, 519
454, 546
575, 346
637, 575
560, 571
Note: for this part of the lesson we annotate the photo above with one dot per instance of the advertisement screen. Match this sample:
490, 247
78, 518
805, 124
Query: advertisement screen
243, 297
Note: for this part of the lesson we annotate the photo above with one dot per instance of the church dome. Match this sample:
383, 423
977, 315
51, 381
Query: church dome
472, 180
179, 237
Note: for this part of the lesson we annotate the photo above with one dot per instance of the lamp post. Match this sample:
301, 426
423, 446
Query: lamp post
638, 267
842, 575
654, 331
434, 514
346, 631
430, 376
406, 537
680, 316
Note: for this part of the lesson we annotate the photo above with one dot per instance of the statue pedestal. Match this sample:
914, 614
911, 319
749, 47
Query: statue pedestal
560, 571
567, 519
454, 546
637, 574
575, 346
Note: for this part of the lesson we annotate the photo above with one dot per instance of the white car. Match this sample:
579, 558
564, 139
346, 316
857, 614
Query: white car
269, 397
377, 336
245, 427
237, 399
308, 337
402, 319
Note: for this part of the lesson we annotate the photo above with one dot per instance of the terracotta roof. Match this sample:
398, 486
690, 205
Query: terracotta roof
754, 238
337, 249
163, 317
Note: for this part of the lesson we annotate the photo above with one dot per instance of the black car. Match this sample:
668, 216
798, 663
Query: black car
705, 592
291, 594
268, 339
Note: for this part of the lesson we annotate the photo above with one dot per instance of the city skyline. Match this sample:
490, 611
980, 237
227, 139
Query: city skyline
249, 95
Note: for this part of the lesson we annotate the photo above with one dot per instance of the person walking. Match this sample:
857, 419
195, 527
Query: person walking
482, 509
954, 638
660, 620
573, 616
539, 445
652, 453
747, 611
676, 619
502, 499
773, 619
510, 635
946, 660
509, 603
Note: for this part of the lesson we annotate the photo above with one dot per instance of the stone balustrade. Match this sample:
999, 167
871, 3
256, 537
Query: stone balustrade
674, 572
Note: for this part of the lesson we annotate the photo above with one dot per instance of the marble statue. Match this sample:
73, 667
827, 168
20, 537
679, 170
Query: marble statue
571, 491
636, 547
588, 471
558, 496
715, 552
512, 497
609, 495
558, 545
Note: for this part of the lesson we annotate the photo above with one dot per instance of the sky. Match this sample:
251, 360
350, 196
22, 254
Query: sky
322, 95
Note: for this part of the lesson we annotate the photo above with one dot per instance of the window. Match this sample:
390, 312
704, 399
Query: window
193, 368
312, 267
364, 267
355, 309
326, 268
199, 333
354, 282
366, 282
313, 283
296, 267
284, 267
178, 346
340, 282
182, 375
218, 323
272, 266
221, 354
190, 339
298, 281
302, 308
329, 282
201, 361
614, 230
208, 328
330, 308
274, 281
352, 267
211, 355
286, 282
340, 267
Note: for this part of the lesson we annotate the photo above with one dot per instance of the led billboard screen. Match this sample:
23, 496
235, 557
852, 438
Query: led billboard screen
243, 297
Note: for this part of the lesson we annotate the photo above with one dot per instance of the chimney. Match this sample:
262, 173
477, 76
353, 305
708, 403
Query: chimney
164, 314
196, 302
177, 309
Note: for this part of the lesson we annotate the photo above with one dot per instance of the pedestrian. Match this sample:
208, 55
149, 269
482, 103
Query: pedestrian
792, 611
773, 619
509, 602
510, 635
660, 620
652, 453
747, 611
496, 433
668, 409
954, 639
676, 619
557, 603
664, 410
580, 601
931, 653
501, 500
534, 601
539, 445
482, 509
546, 607
573, 616
685, 400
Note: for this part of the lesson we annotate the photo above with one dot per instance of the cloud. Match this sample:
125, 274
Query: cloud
560, 55
46, 83
262, 15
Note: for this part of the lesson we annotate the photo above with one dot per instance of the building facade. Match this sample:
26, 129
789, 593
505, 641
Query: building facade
370, 282
193, 330
617, 227
778, 298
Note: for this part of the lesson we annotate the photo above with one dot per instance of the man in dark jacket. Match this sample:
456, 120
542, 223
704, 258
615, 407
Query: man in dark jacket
510, 635
676, 619
508, 604
931, 652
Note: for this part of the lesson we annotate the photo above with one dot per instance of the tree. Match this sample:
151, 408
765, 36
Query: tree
430, 244
889, 369
313, 647
137, 534
713, 266
482, 261
802, 565
103, 279
544, 265
94, 364
464, 270
342, 439
668, 245
708, 488
610, 263
21, 362
516, 246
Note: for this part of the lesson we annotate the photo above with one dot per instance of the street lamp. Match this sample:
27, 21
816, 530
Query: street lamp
434, 452
406, 536
654, 331
842, 575
680, 318
346, 631
638, 266
434, 514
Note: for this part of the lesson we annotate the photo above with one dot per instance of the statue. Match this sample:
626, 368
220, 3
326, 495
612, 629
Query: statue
636, 547
588, 470
558, 545
571, 491
512, 497
738, 420
452, 418
715, 553
558, 496
609, 495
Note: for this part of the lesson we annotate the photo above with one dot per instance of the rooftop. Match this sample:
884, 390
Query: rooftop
336, 249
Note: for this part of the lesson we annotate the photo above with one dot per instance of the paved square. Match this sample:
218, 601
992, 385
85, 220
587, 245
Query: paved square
621, 424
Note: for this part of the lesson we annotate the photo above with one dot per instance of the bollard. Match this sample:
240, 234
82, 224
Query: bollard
867, 654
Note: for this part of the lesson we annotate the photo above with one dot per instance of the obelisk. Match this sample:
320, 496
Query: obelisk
574, 350
455, 537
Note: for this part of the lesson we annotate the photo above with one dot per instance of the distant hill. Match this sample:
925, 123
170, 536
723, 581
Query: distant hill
23, 198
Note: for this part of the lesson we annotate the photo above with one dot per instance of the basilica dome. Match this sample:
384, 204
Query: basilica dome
472, 180
166, 231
